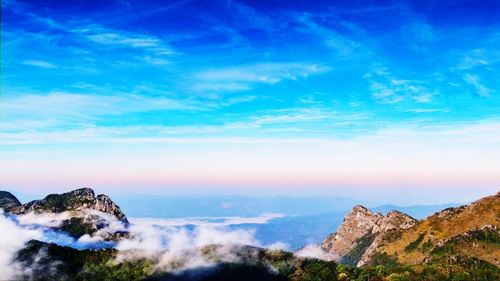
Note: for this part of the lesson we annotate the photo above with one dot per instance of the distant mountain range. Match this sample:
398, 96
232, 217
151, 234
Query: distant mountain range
457, 243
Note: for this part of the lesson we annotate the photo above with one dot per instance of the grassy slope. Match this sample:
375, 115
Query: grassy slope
415, 245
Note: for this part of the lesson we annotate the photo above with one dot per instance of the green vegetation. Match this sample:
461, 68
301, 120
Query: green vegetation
427, 246
76, 227
58, 203
384, 259
52, 262
362, 244
414, 245
489, 235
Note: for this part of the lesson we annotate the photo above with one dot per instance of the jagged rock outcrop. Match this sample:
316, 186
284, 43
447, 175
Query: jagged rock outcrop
104, 204
79, 212
8, 201
357, 223
361, 232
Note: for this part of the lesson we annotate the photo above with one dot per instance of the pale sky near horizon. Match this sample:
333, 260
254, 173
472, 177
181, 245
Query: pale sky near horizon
353, 98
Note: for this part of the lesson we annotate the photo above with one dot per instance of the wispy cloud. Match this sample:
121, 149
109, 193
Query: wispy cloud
39, 63
56, 129
474, 58
239, 78
220, 87
388, 89
426, 110
475, 81
294, 116
75, 109
344, 46
204, 221
126, 39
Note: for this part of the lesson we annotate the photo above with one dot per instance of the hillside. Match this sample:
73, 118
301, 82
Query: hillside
470, 232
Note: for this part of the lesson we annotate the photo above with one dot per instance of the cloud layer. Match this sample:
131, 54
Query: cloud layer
172, 245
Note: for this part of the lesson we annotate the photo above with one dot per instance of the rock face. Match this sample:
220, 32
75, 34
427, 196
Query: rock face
104, 204
8, 201
361, 232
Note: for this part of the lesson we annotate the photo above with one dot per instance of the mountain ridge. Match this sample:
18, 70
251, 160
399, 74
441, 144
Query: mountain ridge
365, 235
460, 243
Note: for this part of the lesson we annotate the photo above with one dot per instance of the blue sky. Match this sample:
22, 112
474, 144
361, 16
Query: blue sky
260, 93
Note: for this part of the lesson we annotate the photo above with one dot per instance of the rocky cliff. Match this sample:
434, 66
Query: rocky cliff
361, 232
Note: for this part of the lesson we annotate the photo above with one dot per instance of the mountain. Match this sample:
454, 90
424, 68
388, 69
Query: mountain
469, 232
76, 200
78, 212
48, 261
8, 201
461, 243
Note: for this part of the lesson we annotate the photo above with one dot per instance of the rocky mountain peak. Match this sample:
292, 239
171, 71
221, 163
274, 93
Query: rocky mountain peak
104, 204
395, 219
361, 214
358, 223
84, 193
76, 200
8, 201
360, 231
361, 209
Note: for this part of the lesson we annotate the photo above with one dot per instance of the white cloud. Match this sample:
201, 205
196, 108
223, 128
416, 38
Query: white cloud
13, 239
314, 251
176, 249
15, 231
167, 242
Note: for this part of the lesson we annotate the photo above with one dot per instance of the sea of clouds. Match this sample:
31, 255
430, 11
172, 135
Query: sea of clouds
174, 244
